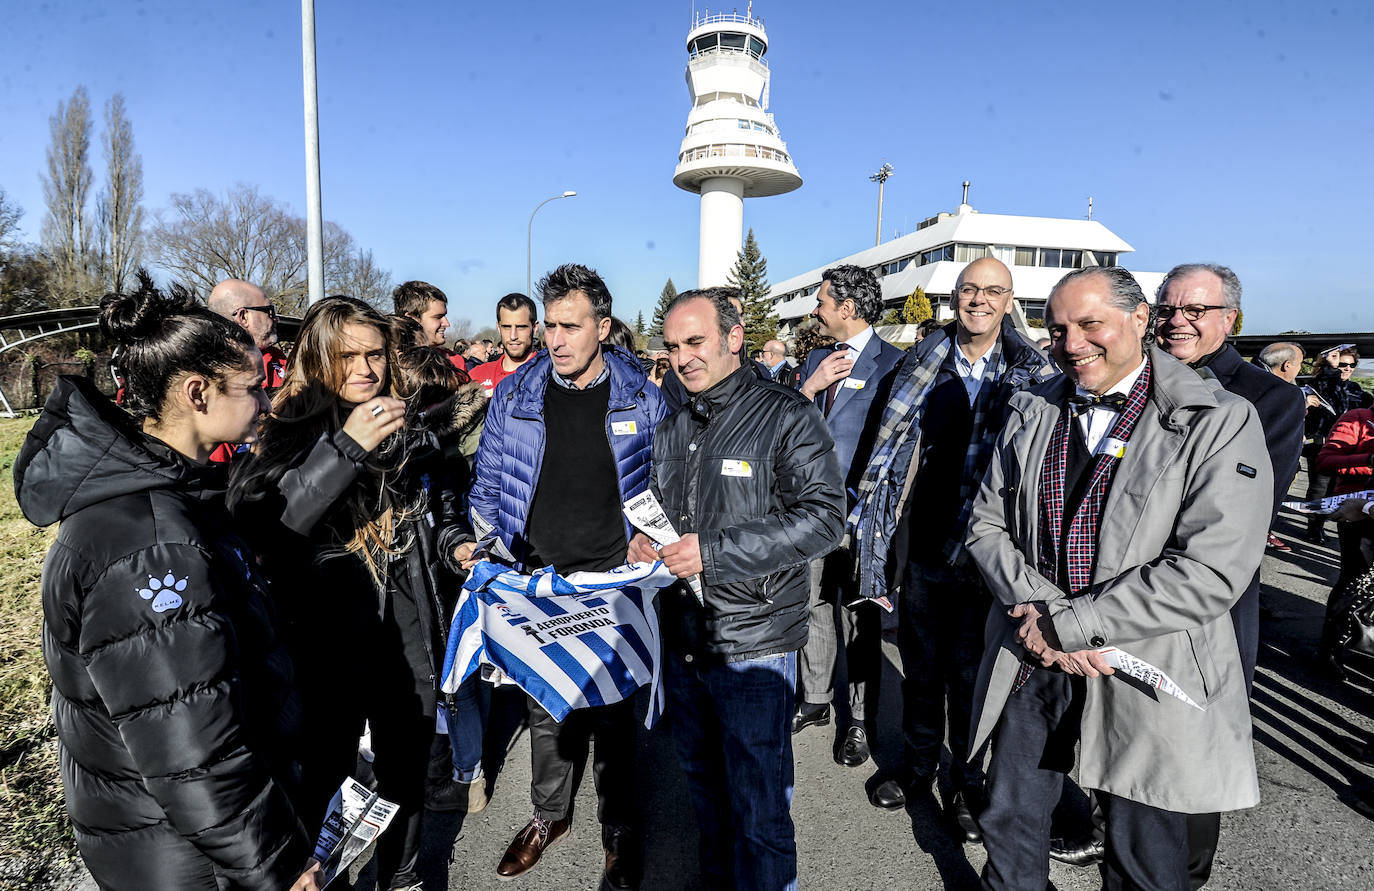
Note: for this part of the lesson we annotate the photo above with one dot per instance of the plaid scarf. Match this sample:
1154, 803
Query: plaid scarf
1081, 539
979, 451
873, 519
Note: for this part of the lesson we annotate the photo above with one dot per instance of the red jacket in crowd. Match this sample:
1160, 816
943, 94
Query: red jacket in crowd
1349, 452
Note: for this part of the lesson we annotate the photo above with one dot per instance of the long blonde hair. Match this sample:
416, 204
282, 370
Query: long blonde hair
365, 521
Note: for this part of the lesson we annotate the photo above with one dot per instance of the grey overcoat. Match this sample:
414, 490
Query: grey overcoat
1182, 533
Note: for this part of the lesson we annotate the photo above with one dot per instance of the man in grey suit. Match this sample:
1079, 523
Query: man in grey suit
1118, 512
849, 384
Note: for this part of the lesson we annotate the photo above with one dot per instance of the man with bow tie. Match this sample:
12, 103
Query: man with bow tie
907, 529
1118, 511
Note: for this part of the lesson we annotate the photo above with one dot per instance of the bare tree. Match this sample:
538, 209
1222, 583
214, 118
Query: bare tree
65, 189
10, 213
119, 208
202, 239
357, 275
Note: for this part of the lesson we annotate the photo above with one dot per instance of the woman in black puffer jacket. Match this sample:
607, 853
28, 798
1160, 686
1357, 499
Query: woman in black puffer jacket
177, 717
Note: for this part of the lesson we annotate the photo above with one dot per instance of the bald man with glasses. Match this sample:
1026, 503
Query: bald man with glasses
247, 305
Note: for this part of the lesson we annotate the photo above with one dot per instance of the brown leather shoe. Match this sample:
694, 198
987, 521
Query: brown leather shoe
529, 845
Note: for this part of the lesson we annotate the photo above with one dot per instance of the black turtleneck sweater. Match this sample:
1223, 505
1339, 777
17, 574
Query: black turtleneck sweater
575, 522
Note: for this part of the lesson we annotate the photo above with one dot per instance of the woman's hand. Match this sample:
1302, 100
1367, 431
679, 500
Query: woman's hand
375, 420
310, 879
463, 554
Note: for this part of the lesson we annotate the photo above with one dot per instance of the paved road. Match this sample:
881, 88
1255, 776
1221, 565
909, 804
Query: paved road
1302, 836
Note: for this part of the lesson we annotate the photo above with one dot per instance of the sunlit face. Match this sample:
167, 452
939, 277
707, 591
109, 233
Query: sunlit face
362, 363
829, 314
573, 335
1094, 342
517, 332
1190, 340
1346, 365
236, 403
434, 322
978, 311
259, 318
696, 350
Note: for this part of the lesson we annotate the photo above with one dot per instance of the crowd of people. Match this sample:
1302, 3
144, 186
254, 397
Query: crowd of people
260, 555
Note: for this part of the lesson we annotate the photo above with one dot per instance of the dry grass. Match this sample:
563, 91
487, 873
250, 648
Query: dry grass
35, 838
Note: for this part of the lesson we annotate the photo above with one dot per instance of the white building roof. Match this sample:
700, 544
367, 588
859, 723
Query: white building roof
964, 227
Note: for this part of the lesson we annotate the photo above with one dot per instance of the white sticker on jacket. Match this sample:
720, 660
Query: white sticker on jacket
735, 467
163, 592
854, 384
624, 428
1113, 446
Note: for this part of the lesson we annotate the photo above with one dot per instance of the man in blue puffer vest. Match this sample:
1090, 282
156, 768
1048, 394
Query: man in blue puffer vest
568, 439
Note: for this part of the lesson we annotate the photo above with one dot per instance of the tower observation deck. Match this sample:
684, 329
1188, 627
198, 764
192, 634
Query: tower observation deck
731, 150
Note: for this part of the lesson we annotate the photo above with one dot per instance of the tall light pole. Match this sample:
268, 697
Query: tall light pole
314, 214
529, 232
880, 177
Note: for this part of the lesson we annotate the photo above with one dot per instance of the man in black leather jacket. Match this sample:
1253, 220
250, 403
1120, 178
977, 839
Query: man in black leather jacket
747, 473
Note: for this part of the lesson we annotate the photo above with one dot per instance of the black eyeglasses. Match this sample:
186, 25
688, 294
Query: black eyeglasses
1345, 364
269, 309
968, 292
1192, 312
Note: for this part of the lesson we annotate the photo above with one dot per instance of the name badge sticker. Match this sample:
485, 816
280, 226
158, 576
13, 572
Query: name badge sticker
1114, 447
853, 384
624, 428
735, 467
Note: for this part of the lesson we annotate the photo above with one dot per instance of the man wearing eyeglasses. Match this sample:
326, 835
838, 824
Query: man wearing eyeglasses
1197, 306
247, 305
907, 530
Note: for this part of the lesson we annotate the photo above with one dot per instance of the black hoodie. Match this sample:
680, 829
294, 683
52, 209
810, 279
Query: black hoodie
175, 707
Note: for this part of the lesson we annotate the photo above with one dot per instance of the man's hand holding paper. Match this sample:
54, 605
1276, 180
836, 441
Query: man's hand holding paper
682, 557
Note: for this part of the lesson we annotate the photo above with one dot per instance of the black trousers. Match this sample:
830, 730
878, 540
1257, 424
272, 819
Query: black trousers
401, 718
1032, 751
558, 754
940, 639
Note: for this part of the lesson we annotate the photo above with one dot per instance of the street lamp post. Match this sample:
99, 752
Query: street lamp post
314, 214
529, 233
880, 177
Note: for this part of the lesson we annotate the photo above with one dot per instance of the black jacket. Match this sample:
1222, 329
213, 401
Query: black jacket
1341, 395
177, 717
358, 649
750, 467
1279, 404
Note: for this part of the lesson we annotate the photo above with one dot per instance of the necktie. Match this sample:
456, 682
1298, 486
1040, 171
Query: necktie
1112, 401
834, 388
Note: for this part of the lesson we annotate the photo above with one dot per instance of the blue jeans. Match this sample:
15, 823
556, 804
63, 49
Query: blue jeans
466, 727
732, 725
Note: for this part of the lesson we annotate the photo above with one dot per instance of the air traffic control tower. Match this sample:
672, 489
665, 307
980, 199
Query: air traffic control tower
732, 149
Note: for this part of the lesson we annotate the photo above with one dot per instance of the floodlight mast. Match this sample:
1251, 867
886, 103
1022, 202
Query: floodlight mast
880, 177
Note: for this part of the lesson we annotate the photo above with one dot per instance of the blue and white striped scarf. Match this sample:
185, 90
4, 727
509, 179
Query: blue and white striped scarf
587, 639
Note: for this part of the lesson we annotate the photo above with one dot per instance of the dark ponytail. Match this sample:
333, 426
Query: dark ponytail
163, 336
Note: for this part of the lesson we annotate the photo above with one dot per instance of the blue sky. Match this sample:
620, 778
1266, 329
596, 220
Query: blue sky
1228, 131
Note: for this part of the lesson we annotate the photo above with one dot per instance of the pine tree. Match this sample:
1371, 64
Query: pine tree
639, 324
665, 297
917, 307
750, 275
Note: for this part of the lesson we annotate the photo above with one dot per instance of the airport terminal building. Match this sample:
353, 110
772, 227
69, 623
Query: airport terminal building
1038, 250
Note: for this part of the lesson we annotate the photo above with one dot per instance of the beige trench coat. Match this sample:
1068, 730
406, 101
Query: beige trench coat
1182, 533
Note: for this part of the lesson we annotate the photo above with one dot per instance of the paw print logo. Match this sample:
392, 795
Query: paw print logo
163, 592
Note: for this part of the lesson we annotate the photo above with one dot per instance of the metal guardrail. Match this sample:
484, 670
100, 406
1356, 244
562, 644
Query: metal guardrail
710, 18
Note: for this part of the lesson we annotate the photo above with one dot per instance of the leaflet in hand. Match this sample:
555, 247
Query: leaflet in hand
1142, 671
648, 516
1327, 506
357, 815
